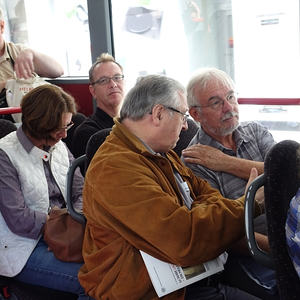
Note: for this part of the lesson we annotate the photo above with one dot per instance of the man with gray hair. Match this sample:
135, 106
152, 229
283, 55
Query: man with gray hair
138, 195
223, 151
23, 60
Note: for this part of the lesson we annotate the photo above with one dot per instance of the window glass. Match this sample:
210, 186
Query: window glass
54, 27
256, 42
282, 120
172, 37
266, 48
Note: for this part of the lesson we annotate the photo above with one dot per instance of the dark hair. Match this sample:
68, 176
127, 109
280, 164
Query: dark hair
42, 110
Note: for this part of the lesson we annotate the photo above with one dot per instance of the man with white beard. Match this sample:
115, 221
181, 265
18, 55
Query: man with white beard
223, 151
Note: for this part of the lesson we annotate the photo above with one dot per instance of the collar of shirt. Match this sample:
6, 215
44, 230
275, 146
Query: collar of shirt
238, 136
101, 114
182, 185
29, 147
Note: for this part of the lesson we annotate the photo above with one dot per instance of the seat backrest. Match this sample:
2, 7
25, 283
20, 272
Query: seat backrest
282, 176
94, 143
83, 162
281, 180
186, 136
6, 127
77, 162
77, 120
259, 255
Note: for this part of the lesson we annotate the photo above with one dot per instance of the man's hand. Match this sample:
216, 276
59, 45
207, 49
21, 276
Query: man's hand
2, 85
24, 66
259, 196
253, 175
206, 156
214, 159
241, 246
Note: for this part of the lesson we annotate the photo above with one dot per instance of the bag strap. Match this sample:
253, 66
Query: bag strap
11, 59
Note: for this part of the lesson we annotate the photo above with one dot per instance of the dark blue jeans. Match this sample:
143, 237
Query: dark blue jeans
246, 274
42, 268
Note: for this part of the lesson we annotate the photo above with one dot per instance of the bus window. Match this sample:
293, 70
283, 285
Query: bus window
172, 37
266, 48
256, 42
57, 28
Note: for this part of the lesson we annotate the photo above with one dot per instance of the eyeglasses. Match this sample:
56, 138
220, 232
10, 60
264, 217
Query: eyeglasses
105, 80
184, 116
216, 103
66, 128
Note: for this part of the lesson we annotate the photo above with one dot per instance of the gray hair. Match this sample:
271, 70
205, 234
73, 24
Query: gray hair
149, 91
200, 80
1, 15
103, 58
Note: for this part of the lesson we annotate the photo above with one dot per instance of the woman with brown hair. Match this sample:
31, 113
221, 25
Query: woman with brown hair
33, 168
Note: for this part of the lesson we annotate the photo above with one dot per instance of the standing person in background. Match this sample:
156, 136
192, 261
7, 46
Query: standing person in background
107, 88
26, 60
223, 151
33, 167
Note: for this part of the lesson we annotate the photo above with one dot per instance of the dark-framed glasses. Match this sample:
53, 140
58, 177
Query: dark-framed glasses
217, 103
105, 79
184, 116
66, 128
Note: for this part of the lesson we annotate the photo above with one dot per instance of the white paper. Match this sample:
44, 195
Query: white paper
167, 277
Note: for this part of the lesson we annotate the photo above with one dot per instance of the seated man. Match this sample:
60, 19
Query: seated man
224, 151
138, 195
107, 87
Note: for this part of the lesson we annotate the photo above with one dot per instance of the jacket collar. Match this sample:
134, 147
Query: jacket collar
30, 148
137, 145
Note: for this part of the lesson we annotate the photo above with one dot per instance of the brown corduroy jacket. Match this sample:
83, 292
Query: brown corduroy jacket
132, 202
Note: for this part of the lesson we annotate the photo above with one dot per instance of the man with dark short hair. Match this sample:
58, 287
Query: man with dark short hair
107, 88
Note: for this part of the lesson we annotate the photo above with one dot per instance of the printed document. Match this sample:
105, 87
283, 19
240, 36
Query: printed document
167, 277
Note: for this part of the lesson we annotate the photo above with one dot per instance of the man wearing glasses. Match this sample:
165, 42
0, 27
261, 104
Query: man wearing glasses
107, 88
224, 151
138, 195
